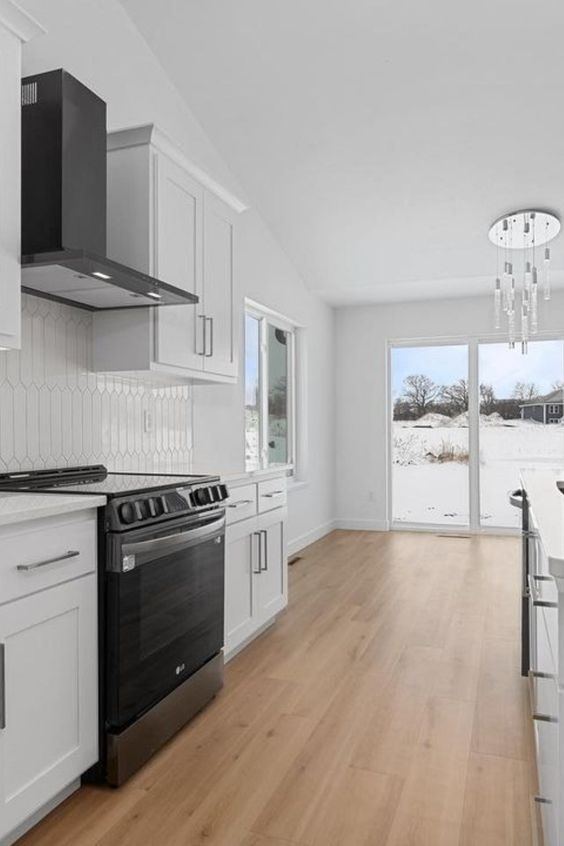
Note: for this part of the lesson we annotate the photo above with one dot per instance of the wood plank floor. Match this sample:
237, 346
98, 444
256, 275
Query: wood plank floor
385, 707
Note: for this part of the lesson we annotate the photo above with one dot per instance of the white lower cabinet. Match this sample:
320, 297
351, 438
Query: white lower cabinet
272, 582
256, 576
240, 602
48, 689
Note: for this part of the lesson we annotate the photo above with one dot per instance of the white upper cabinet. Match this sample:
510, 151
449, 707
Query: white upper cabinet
178, 260
16, 27
164, 220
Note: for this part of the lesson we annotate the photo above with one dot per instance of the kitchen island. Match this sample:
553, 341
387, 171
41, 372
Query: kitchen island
543, 551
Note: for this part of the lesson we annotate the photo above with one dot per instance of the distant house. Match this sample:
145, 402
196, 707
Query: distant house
547, 409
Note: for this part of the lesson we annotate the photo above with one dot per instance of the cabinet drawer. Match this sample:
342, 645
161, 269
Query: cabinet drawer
271, 494
242, 503
42, 553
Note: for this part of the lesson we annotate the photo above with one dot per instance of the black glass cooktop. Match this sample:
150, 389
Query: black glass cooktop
95, 479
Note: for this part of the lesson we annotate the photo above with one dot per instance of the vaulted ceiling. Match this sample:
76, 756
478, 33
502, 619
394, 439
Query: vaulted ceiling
378, 138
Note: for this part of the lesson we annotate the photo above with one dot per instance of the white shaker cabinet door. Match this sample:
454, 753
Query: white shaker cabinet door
179, 330
241, 561
272, 585
48, 694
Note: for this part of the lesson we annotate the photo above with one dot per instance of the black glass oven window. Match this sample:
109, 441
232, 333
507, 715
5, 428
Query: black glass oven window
165, 620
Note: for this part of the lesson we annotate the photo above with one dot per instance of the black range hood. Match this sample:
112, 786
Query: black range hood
64, 203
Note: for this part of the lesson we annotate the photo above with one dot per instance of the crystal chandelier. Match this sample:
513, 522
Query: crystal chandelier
517, 285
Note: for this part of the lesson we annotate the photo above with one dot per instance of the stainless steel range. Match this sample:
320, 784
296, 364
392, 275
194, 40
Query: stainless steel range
161, 595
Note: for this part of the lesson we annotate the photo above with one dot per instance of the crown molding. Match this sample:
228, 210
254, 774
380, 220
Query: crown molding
148, 133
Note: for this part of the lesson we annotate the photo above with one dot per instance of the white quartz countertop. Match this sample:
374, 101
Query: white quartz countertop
547, 504
19, 507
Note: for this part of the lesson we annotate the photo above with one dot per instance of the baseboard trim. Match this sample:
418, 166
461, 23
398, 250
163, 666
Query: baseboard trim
362, 525
297, 544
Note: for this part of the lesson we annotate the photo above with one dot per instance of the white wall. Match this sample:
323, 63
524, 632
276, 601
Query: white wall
219, 419
363, 334
96, 41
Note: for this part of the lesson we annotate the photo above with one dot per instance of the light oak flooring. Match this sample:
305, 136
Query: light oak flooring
384, 708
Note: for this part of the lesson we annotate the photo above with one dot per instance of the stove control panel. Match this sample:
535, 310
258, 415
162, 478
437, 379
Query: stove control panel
160, 505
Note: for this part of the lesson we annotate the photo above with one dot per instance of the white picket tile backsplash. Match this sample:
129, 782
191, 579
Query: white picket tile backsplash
55, 412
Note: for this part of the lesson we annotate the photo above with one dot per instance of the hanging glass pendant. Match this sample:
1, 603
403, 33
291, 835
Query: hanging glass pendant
547, 273
513, 234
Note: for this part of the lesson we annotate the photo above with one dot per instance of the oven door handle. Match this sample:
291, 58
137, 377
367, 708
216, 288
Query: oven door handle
176, 540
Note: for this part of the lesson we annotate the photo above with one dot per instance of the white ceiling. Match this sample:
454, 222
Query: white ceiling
378, 138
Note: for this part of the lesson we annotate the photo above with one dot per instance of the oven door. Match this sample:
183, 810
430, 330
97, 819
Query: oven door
164, 610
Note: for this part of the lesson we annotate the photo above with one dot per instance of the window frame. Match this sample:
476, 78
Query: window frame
267, 317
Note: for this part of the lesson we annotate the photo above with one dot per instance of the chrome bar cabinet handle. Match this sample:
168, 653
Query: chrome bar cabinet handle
25, 568
545, 718
272, 493
265, 533
204, 325
239, 503
210, 321
2, 686
257, 572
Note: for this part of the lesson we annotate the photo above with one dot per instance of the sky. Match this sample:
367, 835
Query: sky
499, 366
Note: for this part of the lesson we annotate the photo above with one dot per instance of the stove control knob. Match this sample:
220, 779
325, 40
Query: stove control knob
223, 492
157, 506
202, 496
127, 513
142, 509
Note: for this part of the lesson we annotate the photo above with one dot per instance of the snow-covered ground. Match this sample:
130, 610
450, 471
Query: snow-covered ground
427, 489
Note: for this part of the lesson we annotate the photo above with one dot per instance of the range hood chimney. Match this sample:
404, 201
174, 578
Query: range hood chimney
64, 203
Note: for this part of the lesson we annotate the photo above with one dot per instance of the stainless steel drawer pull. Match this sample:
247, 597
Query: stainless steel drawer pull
545, 718
265, 533
258, 535
536, 674
2, 687
537, 578
240, 503
273, 493
25, 568
540, 800
210, 353
204, 327
539, 603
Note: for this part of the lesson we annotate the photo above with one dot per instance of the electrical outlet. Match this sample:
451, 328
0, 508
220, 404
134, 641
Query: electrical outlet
147, 422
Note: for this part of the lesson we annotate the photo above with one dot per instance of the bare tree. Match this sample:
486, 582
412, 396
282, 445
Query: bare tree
420, 392
558, 385
525, 391
487, 399
456, 396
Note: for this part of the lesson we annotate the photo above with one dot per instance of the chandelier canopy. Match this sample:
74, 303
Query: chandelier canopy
522, 235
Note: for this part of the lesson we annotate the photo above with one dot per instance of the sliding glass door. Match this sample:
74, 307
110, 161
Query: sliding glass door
465, 418
429, 446
521, 421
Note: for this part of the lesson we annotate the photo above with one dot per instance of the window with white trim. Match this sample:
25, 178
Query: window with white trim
270, 390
